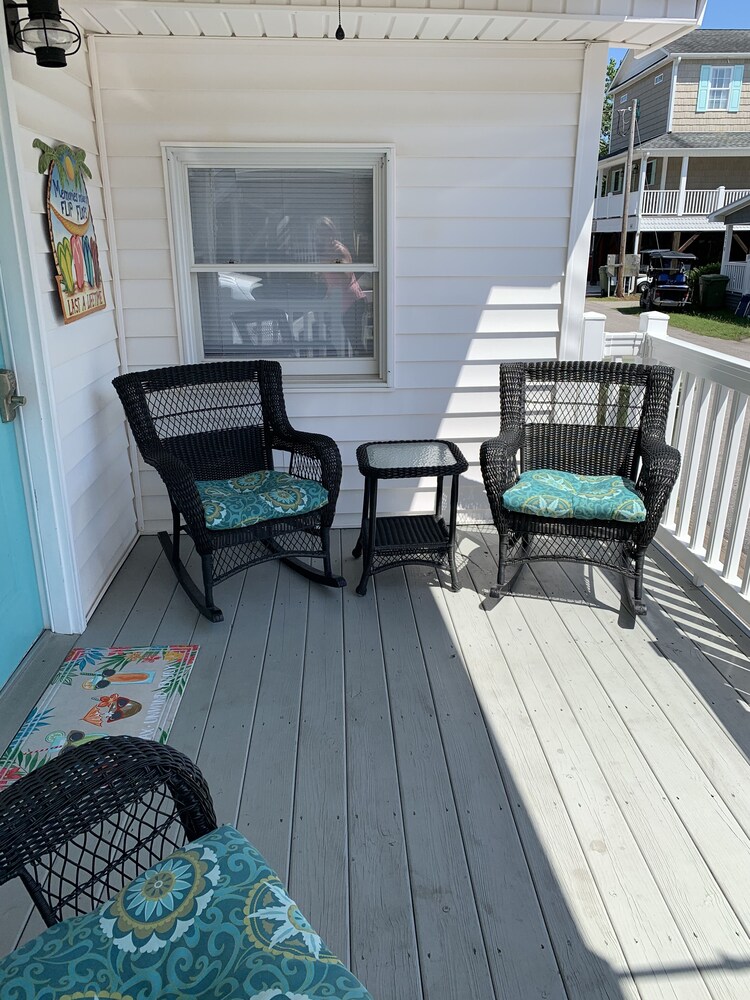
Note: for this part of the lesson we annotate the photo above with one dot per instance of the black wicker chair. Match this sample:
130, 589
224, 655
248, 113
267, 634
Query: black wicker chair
219, 421
78, 829
588, 418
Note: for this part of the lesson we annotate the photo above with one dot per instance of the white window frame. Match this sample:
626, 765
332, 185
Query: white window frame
312, 374
623, 98
617, 179
659, 78
725, 91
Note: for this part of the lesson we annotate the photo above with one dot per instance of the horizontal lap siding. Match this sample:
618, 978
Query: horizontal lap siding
56, 107
485, 139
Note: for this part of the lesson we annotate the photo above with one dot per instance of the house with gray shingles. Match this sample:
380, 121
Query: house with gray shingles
692, 147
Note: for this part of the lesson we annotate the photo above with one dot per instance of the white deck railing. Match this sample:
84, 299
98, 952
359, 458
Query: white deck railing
660, 202
695, 201
705, 526
738, 273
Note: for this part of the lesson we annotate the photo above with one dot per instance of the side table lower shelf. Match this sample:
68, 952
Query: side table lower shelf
405, 539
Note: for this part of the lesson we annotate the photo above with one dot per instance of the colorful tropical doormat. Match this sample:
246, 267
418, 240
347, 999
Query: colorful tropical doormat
101, 692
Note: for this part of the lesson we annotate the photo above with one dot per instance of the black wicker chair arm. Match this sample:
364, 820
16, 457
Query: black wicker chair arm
499, 468
313, 456
498, 459
180, 482
660, 466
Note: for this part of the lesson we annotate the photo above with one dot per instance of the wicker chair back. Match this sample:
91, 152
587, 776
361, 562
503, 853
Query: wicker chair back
78, 829
210, 416
578, 417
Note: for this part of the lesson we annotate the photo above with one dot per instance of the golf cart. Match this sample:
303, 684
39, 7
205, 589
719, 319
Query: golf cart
667, 284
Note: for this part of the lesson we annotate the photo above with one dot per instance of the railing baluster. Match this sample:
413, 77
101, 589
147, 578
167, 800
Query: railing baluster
682, 429
692, 459
739, 523
728, 466
716, 422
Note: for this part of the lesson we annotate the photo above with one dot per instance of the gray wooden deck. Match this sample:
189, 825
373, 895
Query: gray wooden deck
469, 800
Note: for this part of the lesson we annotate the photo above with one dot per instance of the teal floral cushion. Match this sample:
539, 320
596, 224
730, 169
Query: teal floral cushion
549, 493
258, 496
210, 922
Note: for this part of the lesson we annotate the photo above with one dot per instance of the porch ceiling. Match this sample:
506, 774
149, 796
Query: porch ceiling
621, 22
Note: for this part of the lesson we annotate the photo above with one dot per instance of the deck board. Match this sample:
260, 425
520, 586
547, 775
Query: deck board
468, 798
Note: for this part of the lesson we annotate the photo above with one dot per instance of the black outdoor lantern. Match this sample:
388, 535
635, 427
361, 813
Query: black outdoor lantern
43, 33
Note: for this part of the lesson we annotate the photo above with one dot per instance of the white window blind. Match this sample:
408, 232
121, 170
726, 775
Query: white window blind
283, 255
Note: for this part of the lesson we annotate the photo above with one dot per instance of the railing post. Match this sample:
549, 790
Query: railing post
592, 341
721, 194
746, 277
654, 324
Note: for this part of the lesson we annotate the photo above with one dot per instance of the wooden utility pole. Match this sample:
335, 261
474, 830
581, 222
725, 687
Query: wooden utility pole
620, 289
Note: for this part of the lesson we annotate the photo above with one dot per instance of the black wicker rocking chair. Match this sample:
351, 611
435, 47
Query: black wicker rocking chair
220, 421
78, 829
587, 418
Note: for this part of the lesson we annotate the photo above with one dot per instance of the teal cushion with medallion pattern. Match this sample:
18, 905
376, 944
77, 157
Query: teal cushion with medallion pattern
550, 493
210, 922
256, 497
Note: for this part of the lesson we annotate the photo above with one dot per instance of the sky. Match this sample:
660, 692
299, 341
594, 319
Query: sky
719, 14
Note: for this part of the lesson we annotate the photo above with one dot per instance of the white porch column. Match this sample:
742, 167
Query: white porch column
663, 176
641, 187
683, 185
746, 278
721, 197
726, 252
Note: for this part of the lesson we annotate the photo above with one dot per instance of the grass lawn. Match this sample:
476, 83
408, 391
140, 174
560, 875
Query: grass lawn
724, 324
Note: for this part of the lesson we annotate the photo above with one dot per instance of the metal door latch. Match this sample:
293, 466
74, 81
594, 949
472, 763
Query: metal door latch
9, 401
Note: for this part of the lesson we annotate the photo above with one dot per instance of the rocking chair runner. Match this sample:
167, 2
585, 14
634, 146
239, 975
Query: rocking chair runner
205, 423
589, 419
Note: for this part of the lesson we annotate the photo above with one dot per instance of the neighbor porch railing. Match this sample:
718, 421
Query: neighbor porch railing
670, 201
705, 526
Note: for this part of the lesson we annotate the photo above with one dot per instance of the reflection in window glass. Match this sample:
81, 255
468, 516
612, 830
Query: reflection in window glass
321, 314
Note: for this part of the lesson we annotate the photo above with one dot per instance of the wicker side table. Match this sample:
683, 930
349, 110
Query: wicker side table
407, 538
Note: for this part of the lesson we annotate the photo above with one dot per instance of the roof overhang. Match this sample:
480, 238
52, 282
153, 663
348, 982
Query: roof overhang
573, 20
724, 214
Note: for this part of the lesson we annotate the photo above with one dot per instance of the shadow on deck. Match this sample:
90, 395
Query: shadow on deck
528, 801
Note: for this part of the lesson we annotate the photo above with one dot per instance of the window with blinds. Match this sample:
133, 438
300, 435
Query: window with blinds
280, 254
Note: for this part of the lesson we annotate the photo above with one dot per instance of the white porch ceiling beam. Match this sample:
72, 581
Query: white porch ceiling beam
623, 22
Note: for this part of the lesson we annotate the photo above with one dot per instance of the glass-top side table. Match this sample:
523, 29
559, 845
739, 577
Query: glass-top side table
407, 538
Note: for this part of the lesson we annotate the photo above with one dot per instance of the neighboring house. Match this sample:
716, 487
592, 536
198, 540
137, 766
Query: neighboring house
463, 144
692, 149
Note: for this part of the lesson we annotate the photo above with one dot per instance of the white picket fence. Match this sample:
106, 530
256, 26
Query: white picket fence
738, 273
705, 526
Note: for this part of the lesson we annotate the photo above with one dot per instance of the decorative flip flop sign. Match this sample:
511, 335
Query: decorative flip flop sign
71, 230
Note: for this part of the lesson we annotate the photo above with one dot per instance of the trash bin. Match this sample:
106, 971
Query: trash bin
604, 279
713, 288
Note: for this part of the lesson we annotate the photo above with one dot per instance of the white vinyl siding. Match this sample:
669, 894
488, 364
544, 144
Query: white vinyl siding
484, 139
56, 106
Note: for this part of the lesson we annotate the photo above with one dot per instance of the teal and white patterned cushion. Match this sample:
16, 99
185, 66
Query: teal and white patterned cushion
550, 493
258, 496
211, 922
